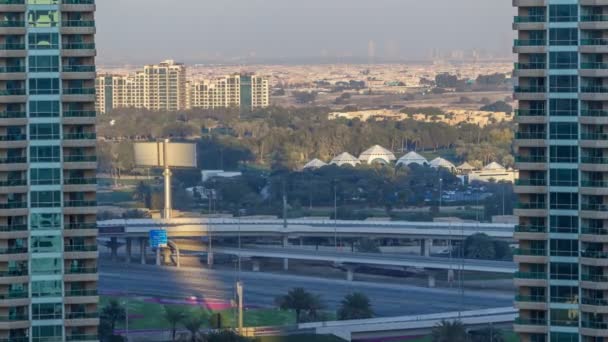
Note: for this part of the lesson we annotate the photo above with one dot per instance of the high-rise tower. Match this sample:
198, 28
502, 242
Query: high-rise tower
562, 154
48, 250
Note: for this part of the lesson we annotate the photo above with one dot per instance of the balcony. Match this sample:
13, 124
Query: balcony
594, 89
531, 205
13, 228
79, 159
14, 295
13, 115
78, 46
78, 2
530, 112
530, 182
594, 207
12, 2
530, 66
596, 113
594, 42
80, 181
81, 315
594, 254
13, 250
529, 42
594, 136
530, 252
81, 293
78, 68
12, 47
77, 23
531, 135
594, 278
13, 160
531, 159
594, 160
81, 248
530, 89
530, 275
13, 205
530, 321
530, 229
79, 204
532, 299
80, 136
594, 18
78, 226
79, 91
79, 338
81, 270
14, 318
80, 114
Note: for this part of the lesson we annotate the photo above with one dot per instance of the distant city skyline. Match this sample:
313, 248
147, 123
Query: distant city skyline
241, 31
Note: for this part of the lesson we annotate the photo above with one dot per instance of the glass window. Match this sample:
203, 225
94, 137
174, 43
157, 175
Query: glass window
45, 176
564, 294
563, 130
46, 244
563, 36
43, 41
47, 333
44, 86
563, 337
51, 288
564, 271
43, 18
563, 154
44, 64
564, 317
46, 266
563, 177
45, 131
563, 13
563, 84
563, 200
46, 199
563, 60
563, 224
564, 248
47, 311
40, 221
44, 109
45, 154
563, 107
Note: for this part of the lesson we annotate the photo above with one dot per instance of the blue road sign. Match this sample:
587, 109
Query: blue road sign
158, 238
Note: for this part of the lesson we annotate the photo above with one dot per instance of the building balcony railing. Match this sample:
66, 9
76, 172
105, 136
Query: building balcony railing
81, 293
13, 160
594, 89
594, 278
594, 184
70, 338
13, 137
80, 114
76, 226
530, 321
12, 46
594, 207
594, 254
594, 113
530, 66
530, 229
594, 66
78, 23
13, 250
15, 339
532, 205
14, 318
81, 315
530, 182
594, 17
14, 295
78, 46
78, 68
79, 159
534, 299
81, 248
594, 301
78, 204
530, 275
80, 136
80, 181
13, 273
531, 135
12, 92
594, 136
531, 159
13, 205
594, 231
13, 182
530, 112
12, 23
594, 41
530, 42
79, 91
13, 228
594, 325
531, 252
530, 89
12, 115
11, 69
81, 270
78, 2
530, 19
12, 2
594, 160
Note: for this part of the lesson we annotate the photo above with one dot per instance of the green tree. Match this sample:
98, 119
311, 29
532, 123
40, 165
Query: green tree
355, 306
479, 246
225, 336
113, 313
367, 245
449, 331
302, 302
193, 324
174, 316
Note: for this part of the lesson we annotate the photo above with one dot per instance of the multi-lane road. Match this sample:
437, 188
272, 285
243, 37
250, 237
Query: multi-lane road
261, 289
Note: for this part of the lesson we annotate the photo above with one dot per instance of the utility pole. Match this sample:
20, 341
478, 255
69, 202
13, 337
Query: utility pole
239, 294
335, 216
167, 174
284, 205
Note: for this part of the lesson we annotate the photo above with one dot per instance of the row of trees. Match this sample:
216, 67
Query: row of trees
308, 306
287, 137
455, 331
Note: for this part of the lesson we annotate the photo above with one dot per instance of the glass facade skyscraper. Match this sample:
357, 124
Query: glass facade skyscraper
562, 154
48, 250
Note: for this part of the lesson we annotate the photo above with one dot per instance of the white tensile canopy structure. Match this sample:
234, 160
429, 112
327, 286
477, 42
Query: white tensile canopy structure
314, 164
377, 154
493, 166
345, 159
466, 167
440, 162
412, 158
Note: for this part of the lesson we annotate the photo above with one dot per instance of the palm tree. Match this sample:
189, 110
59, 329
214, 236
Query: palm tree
300, 301
113, 313
173, 315
193, 324
449, 331
355, 306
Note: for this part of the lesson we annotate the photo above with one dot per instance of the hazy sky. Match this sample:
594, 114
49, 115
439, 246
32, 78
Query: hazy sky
141, 31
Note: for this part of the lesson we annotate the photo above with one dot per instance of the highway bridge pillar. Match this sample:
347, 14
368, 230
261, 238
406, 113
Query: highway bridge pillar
210, 259
128, 247
142, 250
285, 260
158, 255
255, 265
350, 273
450, 276
114, 248
431, 280
425, 247
285, 264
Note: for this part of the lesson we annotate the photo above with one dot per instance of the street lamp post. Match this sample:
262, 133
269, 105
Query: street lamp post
335, 216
